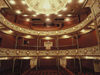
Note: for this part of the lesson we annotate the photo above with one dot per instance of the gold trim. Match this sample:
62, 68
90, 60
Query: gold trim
89, 51
4, 21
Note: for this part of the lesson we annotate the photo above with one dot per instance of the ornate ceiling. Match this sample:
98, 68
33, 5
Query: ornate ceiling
47, 6
20, 17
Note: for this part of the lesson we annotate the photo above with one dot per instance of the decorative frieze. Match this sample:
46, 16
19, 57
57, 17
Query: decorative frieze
4, 21
90, 51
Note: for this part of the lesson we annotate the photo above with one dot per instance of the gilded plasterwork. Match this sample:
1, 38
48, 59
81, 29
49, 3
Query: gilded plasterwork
4, 21
90, 51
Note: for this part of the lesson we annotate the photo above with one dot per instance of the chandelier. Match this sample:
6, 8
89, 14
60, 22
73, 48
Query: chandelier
46, 6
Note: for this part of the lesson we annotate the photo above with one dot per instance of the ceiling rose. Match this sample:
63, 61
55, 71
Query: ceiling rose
46, 6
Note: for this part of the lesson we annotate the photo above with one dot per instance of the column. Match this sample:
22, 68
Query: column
16, 41
80, 64
13, 67
77, 42
37, 43
21, 66
57, 43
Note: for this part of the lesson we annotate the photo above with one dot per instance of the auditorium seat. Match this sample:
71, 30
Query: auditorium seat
43, 71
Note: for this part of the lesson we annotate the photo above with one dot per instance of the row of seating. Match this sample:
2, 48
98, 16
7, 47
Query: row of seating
45, 72
98, 73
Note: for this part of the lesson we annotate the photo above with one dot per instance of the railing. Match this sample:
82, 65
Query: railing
90, 51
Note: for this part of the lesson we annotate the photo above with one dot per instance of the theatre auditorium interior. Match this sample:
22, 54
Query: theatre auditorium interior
49, 37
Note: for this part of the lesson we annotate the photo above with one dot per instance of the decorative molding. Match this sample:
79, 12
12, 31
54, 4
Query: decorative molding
7, 23
3, 4
45, 33
46, 6
90, 51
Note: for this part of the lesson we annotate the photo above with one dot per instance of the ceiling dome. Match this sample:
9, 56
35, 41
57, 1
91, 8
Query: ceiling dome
46, 6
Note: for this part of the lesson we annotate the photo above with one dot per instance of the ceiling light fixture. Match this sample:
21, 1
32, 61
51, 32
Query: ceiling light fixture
56, 13
69, 1
47, 57
25, 15
69, 15
29, 9
34, 15
5, 58
93, 24
47, 14
25, 58
67, 57
12, 2
46, 6
47, 19
37, 13
81, 1
67, 19
89, 57
28, 36
64, 9
84, 31
7, 31
60, 15
18, 12
23, 2
65, 36
27, 19
47, 38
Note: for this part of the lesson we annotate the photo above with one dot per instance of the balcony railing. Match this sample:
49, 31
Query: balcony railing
90, 51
